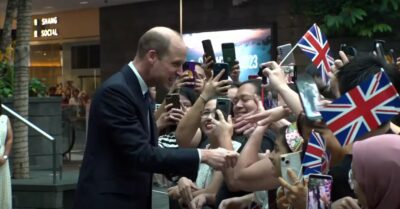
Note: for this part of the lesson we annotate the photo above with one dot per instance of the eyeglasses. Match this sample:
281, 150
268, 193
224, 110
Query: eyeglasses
207, 113
243, 98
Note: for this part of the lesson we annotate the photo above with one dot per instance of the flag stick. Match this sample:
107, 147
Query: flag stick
290, 52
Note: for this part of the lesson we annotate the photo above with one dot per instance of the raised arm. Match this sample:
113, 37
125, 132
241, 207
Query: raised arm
189, 125
252, 173
278, 82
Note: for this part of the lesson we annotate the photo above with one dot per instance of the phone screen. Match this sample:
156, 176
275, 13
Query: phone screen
319, 191
309, 96
189, 67
228, 53
218, 67
174, 99
224, 104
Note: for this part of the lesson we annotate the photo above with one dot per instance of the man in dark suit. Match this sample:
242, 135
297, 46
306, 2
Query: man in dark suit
121, 153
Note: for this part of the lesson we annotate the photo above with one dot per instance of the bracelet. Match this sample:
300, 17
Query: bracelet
204, 99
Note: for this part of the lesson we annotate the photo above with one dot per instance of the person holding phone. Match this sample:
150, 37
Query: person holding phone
208, 180
121, 152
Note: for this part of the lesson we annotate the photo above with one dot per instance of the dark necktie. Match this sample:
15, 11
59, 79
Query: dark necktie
148, 99
149, 102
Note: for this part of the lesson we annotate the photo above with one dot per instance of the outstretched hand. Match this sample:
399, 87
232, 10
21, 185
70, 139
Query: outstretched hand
219, 158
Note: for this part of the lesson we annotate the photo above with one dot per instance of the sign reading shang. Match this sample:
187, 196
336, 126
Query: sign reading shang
45, 27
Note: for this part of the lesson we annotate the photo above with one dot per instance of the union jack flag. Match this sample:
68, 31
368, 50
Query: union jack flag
362, 109
316, 46
316, 159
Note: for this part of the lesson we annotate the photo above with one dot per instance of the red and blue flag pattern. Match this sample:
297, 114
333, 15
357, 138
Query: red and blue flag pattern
316, 47
316, 159
362, 109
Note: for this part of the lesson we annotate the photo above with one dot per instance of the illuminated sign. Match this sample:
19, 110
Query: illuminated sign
44, 27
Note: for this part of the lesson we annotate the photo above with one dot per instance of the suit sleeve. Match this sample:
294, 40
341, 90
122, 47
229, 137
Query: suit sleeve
120, 114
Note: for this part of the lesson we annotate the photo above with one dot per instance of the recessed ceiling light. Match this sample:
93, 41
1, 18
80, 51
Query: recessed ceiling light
84, 2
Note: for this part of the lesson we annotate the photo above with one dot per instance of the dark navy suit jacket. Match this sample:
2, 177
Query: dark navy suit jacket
121, 155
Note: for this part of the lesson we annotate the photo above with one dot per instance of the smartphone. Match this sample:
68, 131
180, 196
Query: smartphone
292, 161
218, 67
319, 191
283, 51
309, 96
174, 99
208, 49
228, 53
378, 47
348, 50
225, 105
264, 78
189, 67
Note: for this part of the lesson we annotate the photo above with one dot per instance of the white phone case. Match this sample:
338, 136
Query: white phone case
292, 161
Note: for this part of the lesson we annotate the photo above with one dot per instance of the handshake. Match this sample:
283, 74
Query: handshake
219, 158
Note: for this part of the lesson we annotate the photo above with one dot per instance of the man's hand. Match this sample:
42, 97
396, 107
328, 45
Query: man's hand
186, 188
345, 203
235, 72
219, 158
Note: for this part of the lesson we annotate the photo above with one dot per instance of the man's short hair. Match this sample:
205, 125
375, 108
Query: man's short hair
153, 40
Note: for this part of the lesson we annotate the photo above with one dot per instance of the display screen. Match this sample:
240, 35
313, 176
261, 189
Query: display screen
252, 47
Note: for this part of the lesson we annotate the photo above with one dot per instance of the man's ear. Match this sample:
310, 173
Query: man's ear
152, 56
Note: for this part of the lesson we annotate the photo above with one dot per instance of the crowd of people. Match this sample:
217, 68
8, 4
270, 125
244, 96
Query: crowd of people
209, 160
128, 140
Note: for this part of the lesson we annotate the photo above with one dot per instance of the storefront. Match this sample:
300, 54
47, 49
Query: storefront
65, 50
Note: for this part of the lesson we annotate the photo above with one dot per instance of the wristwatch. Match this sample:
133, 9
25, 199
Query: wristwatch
5, 157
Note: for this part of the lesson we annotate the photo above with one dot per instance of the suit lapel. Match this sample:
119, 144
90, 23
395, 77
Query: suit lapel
134, 86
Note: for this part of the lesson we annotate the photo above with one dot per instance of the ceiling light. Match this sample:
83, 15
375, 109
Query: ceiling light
49, 7
84, 2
